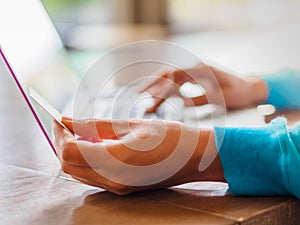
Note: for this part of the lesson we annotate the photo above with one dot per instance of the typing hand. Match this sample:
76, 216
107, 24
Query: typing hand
219, 87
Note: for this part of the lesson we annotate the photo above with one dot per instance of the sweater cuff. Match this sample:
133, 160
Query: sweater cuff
284, 89
252, 159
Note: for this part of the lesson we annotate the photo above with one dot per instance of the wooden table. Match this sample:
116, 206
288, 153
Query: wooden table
34, 192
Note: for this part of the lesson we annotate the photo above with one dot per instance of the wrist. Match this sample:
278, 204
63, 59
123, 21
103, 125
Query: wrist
259, 90
207, 163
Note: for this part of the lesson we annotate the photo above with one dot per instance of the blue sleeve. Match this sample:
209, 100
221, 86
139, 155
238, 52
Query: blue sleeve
284, 89
261, 161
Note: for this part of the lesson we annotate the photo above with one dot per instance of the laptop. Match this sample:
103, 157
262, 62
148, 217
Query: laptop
32, 53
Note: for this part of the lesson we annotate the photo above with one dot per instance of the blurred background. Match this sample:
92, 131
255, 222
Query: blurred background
224, 30
104, 23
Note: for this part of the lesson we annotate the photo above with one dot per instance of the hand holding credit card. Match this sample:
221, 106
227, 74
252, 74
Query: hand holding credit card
47, 107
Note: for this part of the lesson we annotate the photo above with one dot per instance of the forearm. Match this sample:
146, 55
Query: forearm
259, 92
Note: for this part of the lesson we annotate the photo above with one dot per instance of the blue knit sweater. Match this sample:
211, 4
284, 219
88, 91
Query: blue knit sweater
266, 160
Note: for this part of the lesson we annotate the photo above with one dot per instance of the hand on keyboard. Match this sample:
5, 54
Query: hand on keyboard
215, 87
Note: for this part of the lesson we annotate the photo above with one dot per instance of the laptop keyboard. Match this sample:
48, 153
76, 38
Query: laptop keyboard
118, 103
124, 111
133, 105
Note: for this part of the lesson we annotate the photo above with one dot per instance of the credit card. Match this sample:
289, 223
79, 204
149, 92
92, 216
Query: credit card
47, 107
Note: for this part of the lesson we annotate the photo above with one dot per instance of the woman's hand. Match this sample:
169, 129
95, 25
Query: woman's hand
141, 154
237, 92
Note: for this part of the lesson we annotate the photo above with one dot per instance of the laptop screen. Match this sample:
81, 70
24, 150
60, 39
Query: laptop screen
36, 56
35, 51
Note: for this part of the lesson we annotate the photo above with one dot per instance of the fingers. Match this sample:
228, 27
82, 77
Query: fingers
59, 131
146, 85
66, 146
154, 79
98, 129
74, 163
82, 173
74, 151
85, 175
92, 177
169, 84
197, 101
84, 153
61, 137
159, 87
161, 91
157, 102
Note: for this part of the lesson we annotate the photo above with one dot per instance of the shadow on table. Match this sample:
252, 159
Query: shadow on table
173, 206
